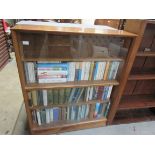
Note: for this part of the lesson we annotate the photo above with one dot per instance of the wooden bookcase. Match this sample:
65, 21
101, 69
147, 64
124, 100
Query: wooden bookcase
49, 43
138, 100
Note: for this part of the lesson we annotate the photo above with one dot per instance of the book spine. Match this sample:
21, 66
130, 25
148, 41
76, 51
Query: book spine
55, 96
50, 96
87, 111
47, 72
106, 71
45, 97
103, 66
83, 71
116, 70
57, 80
51, 115
109, 92
95, 72
38, 117
67, 94
47, 116
55, 114
61, 96
91, 71
34, 97
97, 106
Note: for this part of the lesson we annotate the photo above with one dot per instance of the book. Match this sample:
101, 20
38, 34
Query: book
97, 106
61, 96
30, 72
50, 96
106, 71
45, 97
56, 113
91, 71
107, 109
43, 116
55, 96
51, 114
67, 94
109, 92
34, 97
38, 117
71, 71
47, 115
71, 95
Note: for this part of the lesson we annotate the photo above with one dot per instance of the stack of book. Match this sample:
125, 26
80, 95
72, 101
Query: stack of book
71, 71
70, 113
52, 72
70, 95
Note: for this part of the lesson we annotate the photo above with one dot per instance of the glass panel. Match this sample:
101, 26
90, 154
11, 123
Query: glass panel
44, 45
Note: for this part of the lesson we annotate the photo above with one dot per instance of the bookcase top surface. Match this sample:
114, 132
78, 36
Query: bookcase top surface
70, 28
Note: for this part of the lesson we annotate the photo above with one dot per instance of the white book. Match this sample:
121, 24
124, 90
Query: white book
47, 115
31, 72
91, 93
72, 113
71, 71
79, 113
58, 80
68, 112
99, 71
109, 92
116, 69
102, 70
83, 70
87, 95
45, 97
48, 72
111, 71
51, 115
38, 118
87, 68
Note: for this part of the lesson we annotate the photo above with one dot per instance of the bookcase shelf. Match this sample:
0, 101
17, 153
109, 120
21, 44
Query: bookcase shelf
64, 126
66, 104
142, 77
146, 54
133, 115
71, 84
82, 50
137, 102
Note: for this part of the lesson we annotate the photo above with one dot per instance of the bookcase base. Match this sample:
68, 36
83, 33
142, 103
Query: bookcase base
66, 127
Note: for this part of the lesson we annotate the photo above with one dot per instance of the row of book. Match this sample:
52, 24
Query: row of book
57, 72
70, 113
69, 95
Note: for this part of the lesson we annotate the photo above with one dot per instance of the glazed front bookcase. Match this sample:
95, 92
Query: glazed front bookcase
71, 76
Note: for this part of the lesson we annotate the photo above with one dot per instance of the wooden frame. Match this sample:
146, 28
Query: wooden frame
138, 94
65, 126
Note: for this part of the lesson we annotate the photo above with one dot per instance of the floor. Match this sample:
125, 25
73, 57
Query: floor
10, 97
13, 116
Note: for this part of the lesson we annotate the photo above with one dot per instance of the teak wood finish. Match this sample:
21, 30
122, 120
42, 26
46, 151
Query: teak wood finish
65, 126
139, 90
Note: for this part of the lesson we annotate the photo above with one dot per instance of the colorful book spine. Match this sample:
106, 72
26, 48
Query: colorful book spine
56, 114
